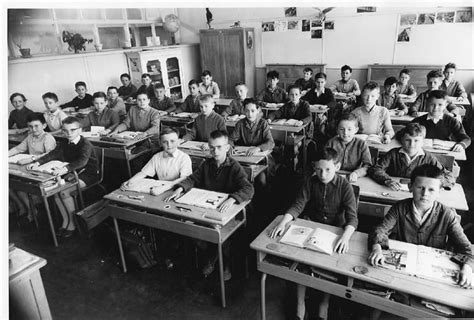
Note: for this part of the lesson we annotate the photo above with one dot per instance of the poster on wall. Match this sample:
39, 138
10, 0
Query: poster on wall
268, 26
316, 24
463, 16
445, 17
408, 19
293, 25
404, 35
426, 18
305, 25
317, 34
329, 25
281, 26
290, 12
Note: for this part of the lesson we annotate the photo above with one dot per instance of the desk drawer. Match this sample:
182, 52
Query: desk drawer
373, 209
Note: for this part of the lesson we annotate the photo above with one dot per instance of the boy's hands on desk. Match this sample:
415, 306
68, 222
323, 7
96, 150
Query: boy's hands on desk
386, 139
342, 244
278, 230
204, 147
353, 177
175, 195
376, 256
392, 184
32, 166
457, 148
465, 277
105, 132
59, 171
252, 150
226, 204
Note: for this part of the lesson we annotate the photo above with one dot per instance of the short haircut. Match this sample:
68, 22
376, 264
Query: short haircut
437, 94
450, 65
405, 71
428, 171
191, 82
80, 84
348, 117
218, 134
389, 81
371, 85
346, 67
320, 75
206, 98
126, 75
99, 94
112, 88
434, 74
206, 73
159, 85
273, 75
35, 116
308, 69
17, 94
251, 101
140, 92
294, 86
168, 130
146, 75
70, 120
240, 83
413, 129
50, 95
328, 154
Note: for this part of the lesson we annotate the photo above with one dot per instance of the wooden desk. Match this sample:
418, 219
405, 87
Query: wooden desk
463, 102
33, 183
371, 191
219, 102
26, 291
173, 121
198, 223
405, 119
16, 139
342, 267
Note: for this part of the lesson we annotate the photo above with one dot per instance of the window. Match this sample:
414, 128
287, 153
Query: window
113, 14
112, 37
92, 14
134, 14
67, 14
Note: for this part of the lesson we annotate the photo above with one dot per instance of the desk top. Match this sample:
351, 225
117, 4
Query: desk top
22, 263
17, 138
219, 102
156, 204
369, 189
240, 158
123, 143
183, 120
463, 102
20, 171
405, 119
276, 127
357, 256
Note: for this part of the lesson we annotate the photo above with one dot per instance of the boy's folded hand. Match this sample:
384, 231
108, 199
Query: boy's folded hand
465, 277
376, 256
392, 184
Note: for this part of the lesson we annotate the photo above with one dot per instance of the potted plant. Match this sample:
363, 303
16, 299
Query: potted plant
25, 52
75, 41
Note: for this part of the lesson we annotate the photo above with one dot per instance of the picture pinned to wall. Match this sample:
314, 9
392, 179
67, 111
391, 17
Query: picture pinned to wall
445, 17
408, 19
250, 39
426, 18
404, 35
317, 34
305, 25
463, 16
293, 25
316, 24
329, 25
290, 12
366, 9
281, 25
268, 26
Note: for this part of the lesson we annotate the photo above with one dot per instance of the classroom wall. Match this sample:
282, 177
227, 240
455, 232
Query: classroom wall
358, 39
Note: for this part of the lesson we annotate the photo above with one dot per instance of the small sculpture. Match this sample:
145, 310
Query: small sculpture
75, 41
209, 17
236, 24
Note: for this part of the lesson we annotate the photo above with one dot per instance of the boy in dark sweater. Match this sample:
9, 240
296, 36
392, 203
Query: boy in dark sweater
422, 220
83, 99
147, 86
191, 103
295, 108
440, 125
272, 94
306, 83
161, 102
127, 89
18, 116
78, 152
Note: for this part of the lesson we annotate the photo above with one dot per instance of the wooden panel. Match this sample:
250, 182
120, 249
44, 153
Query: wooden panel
211, 56
289, 73
232, 49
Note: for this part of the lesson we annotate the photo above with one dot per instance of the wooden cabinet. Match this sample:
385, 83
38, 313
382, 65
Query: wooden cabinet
229, 54
289, 73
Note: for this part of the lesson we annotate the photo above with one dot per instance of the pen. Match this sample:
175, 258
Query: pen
183, 209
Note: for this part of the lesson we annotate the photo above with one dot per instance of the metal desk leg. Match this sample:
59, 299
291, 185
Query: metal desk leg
221, 273
127, 159
262, 295
119, 241
50, 220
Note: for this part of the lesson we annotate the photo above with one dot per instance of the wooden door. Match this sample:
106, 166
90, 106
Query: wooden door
212, 58
234, 61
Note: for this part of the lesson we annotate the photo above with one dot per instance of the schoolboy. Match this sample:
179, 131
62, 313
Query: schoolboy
147, 86
389, 98
295, 108
191, 103
373, 119
141, 117
37, 143
116, 103
207, 86
78, 152
127, 90
434, 79
306, 83
207, 122
327, 198
161, 101
237, 105
404, 88
346, 86
219, 173
440, 125
422, 220
54, 116
319, 94
272, 92
354, 154
18, 116
400, 162
452, 87
83, 99
102, 115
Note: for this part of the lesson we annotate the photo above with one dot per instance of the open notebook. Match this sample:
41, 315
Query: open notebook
235, 117
193, 145
203, 198
438, 144
145, 185
49, 166
129, 135
314, 239
18, 157
370, 138
285, 122
186, 115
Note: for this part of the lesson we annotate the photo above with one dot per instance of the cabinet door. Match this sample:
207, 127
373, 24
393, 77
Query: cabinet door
212, 57
234, 61
173, 68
